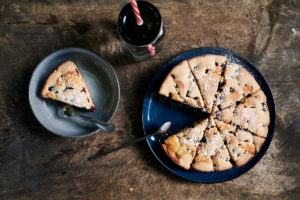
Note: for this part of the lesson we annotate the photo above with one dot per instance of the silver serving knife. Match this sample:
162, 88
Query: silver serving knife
163, 129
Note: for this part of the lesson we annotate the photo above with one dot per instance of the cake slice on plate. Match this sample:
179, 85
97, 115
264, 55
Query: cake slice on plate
252, 114
238, 83
66, 84
168, 89
207, 70
241, 147
211, 152
181, 86
238, 142
225, 115
181, 147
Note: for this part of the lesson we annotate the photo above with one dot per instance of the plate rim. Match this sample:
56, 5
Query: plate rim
73, 49
270, 99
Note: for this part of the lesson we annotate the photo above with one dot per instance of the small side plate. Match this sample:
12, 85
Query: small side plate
101, 81
157, 110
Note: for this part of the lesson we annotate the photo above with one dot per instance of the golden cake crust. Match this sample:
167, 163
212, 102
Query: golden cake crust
181, 86
66, 84
239, 116
207, 71
238, 83
181, 147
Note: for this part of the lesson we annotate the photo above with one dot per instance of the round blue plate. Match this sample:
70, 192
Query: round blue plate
158, 110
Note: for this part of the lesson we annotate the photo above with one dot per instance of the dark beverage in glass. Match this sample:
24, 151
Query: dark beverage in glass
136, 37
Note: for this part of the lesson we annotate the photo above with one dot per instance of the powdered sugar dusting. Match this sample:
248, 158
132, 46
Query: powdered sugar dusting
233, 59
209, 83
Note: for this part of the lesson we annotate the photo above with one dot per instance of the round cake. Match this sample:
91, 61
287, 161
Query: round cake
238, 114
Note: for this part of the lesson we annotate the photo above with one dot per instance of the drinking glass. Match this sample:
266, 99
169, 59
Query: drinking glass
139, 39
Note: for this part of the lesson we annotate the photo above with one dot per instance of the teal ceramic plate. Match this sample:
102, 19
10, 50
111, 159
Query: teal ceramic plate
101, 81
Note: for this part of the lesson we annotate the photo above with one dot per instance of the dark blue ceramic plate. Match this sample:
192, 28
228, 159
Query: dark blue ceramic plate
157, 110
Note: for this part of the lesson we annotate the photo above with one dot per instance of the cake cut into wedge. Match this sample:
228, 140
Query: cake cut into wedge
239, 118
239, 143
66, 84
226, 129
207, 70
211, 152
180, 85
252, 114
181, 147
241, 147
238, 83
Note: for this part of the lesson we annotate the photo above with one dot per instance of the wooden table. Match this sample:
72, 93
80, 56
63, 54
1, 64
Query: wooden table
35, 164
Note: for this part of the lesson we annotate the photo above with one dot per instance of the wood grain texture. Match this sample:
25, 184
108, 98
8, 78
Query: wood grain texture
34, 164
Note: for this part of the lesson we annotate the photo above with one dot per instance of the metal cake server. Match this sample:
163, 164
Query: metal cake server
163, 129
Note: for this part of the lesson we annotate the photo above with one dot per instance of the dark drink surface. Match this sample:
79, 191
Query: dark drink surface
135, 34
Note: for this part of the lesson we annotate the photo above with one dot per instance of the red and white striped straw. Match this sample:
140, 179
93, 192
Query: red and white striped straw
151, 49
140, 22
137, 13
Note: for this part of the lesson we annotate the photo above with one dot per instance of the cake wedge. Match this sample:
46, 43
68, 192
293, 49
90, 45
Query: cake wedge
252, 114
207, 70
181, 147
180, 85
211, 152
238, 83
66, 84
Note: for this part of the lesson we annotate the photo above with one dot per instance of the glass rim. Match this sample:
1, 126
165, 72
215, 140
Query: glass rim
159, 30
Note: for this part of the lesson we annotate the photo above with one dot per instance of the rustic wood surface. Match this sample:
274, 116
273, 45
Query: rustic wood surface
35, 164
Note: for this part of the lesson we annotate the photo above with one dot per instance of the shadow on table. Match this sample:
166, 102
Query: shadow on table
21, 112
